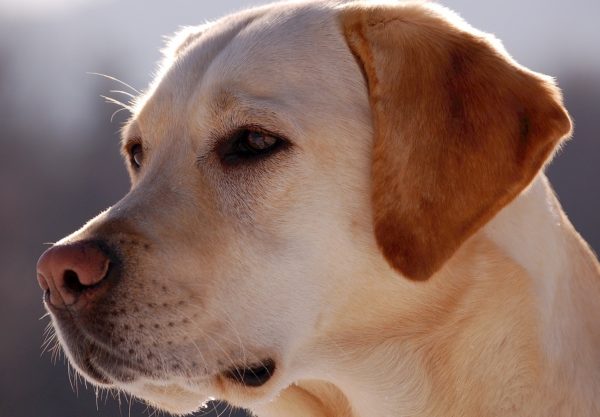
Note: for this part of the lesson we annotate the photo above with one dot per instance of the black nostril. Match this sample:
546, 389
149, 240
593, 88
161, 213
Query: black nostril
71, 281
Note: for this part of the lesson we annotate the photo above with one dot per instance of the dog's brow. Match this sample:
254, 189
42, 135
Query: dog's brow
243, 111
224, 100
130, 130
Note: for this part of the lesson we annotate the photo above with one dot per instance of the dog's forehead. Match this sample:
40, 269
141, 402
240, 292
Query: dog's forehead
292, 54
281, 45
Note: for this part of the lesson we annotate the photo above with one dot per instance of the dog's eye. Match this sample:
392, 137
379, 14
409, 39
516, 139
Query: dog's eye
247, 145
259, 142
136, 153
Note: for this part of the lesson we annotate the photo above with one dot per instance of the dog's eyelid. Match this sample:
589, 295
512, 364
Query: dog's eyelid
254, 128
131, 142
234, 147
133, 150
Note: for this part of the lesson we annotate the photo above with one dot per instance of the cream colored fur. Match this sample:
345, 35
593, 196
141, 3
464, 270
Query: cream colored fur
281, 261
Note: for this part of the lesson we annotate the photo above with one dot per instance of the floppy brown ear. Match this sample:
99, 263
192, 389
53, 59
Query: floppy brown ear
460, 128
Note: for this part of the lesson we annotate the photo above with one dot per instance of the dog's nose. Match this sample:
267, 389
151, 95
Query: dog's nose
69, 271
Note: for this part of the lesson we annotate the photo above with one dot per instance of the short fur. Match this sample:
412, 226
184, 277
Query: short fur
415, 153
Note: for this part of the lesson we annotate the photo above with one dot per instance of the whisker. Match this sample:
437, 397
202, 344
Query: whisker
117, 102
50, 338
224, 410
112, 116
47, 339
47, 343
214, 405
124, 92
56, 350
214, 341
231, 326
69, 374
114, 79
130, 400
49, 328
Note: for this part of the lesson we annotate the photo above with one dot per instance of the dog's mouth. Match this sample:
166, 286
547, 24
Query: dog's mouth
92, 372
102, 366
100, 363
254, 375
97, 361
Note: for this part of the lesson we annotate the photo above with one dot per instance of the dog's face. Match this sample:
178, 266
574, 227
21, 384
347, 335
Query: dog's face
242, 215
255, 203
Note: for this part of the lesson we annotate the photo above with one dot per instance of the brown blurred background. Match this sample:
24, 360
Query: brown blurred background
59, 152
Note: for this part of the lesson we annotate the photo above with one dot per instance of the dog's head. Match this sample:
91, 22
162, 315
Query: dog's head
282, 158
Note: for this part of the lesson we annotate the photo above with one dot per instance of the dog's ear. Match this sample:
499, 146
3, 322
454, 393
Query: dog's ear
460, 129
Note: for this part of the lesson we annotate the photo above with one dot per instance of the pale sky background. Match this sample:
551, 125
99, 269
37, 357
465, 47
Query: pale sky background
55, 42
22, 8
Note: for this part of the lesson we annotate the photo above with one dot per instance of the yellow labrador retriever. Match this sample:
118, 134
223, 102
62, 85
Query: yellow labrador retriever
337, 209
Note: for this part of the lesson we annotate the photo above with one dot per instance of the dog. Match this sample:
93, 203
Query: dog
337, 209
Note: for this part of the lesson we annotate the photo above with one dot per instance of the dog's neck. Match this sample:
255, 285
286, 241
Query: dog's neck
535, 232
491, 333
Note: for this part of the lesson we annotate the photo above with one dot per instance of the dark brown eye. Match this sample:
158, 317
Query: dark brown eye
248, 145
259, 142
136, 153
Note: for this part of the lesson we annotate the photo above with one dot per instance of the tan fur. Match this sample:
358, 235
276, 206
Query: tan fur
447, 105
408, 131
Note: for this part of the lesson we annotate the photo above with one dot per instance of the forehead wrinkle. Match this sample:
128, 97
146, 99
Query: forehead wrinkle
229, 111
227, 99
287, 53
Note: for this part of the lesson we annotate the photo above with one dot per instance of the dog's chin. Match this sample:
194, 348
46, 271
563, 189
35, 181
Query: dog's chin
172, 397
242, 385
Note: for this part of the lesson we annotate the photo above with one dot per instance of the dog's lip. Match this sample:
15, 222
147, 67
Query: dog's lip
110, 364
93, 372
125, 372
95, 359
252, 375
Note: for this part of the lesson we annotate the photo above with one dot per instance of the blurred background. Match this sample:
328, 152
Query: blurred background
59, 151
